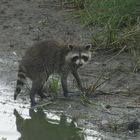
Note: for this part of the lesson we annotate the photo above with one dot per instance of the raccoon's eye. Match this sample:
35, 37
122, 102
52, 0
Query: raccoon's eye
74, 58
85, 58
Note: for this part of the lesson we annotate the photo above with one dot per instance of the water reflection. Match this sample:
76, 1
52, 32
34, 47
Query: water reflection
39, 127
35, 124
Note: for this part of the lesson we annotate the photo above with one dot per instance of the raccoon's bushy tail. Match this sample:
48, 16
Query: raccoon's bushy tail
21, 77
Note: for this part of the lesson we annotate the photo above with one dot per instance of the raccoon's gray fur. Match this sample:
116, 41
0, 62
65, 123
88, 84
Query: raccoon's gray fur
49, 57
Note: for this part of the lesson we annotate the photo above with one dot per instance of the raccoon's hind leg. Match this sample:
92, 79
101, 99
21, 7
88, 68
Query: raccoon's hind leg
64, 84
40, 92
37, 86
20, 82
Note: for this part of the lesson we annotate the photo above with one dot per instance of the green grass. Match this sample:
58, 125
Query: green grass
119, 21
119, 13
54, 85
115, 18
116, 23
109, 37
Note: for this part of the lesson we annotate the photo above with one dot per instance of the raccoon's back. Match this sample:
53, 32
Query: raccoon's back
44, 56
42, 50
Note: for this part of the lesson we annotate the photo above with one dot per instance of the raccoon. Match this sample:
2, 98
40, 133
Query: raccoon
49, 57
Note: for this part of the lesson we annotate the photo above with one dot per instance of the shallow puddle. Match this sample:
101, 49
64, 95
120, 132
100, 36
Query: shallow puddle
18, 122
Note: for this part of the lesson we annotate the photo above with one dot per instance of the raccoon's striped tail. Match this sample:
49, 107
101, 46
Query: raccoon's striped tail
20, 82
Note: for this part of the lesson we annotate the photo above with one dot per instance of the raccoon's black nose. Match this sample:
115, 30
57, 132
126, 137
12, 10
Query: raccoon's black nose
80, 64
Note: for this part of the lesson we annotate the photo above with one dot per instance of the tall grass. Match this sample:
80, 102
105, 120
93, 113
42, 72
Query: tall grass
115, 18
118, 12
116, 22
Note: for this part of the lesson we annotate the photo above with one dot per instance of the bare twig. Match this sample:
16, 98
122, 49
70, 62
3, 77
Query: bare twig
41, 105
116, 54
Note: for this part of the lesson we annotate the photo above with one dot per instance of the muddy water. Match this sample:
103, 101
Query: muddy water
18, 122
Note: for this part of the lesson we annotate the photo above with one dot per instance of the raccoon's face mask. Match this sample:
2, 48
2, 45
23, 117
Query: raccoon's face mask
79, 56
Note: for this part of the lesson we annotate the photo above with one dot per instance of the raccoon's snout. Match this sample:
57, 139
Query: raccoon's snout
80, 65
79, 62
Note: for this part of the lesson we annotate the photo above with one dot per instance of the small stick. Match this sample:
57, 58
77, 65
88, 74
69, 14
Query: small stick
116, 54
41, 105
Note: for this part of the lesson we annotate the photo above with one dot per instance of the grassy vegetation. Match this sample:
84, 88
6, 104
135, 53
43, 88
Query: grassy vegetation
118, 20
115, 12
54, 85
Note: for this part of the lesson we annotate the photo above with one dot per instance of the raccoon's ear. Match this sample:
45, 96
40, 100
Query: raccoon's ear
70, 47
88, 47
